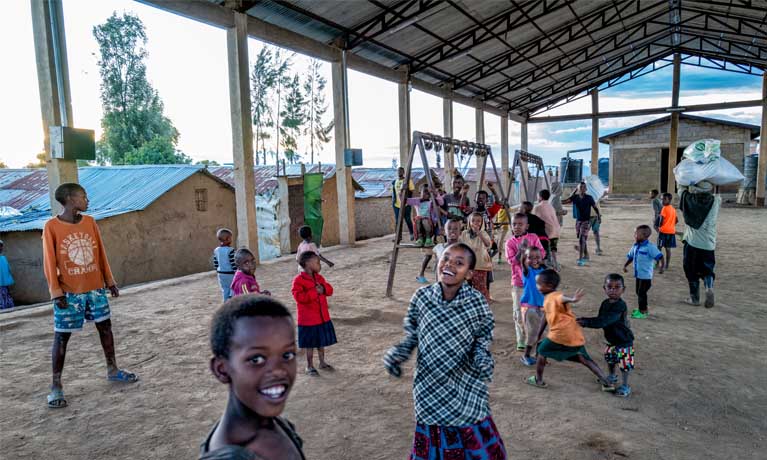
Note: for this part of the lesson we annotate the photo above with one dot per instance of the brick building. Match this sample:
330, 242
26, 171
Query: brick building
639, 155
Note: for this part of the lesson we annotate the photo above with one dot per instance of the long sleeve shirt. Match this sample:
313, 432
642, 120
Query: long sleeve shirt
223, 260
74, 258
613, 320
512, 249
311, 306
242, 283
704, 237
454, 362
548, 214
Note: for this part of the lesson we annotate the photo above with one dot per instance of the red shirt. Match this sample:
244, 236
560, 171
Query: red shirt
242, 283
311, 306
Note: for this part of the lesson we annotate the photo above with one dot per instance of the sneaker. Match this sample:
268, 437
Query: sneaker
422, 279
581, 262
428, 242
710, 300
528, 360
419, 243
636, 314
599, 252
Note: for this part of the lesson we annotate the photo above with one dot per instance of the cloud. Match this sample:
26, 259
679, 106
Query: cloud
572, 130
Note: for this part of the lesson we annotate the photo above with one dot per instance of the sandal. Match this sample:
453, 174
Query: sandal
123, 376
613, 379
532, 381
528, 361
327, 367
56, 399
623, 391
312, 372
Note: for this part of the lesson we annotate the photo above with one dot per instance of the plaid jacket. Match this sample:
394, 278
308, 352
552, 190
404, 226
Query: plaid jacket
454, 362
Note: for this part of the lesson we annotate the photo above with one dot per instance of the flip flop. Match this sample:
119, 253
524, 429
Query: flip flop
312, 372
531, 381
422, 279
623, 391
327, 367
123, 376
56, 399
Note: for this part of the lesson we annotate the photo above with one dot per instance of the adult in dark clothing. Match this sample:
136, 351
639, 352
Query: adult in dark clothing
613, 320
583, 203
700, 209
535, 225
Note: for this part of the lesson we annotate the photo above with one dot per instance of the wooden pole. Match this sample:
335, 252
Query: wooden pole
403, 92
674, 134
447, 131
408, 165
479, 123
594, 132
762, 169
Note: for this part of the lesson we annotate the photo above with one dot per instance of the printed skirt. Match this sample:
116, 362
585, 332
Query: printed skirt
479, 441
319, 336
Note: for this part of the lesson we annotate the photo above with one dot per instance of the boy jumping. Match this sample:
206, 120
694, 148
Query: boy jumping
77, 271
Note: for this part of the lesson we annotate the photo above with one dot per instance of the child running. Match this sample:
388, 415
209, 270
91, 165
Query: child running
583, 203
315, 329
453, 230
532, 301
479, 241
305, 232
78, 274
565, 340
244, 281
6, 280
223, 262
516, 244
643, 255
451, 325
253, 342
667, 228
613, 319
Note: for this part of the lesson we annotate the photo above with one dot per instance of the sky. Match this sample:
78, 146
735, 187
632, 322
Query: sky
187, 66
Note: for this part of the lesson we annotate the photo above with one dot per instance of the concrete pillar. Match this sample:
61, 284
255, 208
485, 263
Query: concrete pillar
405, 134
447, 131
523, 169
242, 133
762, 170
504, 152
344, 187
594, 132
53, 81
479, 124
674, 134
523, 136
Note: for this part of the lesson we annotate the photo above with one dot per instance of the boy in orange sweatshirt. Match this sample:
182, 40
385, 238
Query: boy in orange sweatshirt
77, 271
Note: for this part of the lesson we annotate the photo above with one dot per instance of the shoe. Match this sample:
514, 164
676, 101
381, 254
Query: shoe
528, 360
623, 391
419, 243
599, 252
636, 314
710, 300
428, 242
520, 347
422, 279
581, 262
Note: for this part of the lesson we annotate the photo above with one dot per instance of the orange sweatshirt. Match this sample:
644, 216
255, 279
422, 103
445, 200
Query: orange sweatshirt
74, 258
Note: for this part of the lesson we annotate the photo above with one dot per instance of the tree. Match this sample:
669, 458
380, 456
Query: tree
3, 165
41, 162
263, 79
282, 78
314, 88
293, 119
133, 110
207, 163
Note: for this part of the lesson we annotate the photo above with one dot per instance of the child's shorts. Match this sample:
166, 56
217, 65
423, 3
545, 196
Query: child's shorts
595, 224
88, 306
533, 317
666, 240
553, 242
622, 356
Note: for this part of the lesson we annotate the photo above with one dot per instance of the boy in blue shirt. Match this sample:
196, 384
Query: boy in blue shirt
643, 255
223, 262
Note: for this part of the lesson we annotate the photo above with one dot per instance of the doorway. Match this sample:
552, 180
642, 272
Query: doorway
664, 185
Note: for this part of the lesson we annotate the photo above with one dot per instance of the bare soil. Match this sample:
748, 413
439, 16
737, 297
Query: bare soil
699, 387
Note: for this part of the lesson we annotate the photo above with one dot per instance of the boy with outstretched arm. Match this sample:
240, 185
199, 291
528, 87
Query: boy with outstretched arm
78, 274
451, 325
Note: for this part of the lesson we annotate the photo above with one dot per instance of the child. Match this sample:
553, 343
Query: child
6, 280
76, 268
425, 218
535, 224
532, 300
315, 329
583, 203
657, 206
548, 214
565, 340
254, 352
518, 242
451, 325
643, 255
305, 232
453, 230
244, 281
613, 319
223, 261
457, 204
479, 241
667, 228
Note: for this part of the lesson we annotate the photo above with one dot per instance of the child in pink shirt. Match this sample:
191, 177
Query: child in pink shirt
519, 241
244, 281
305, 232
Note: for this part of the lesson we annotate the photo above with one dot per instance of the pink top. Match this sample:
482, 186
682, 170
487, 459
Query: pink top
304, 246
512, 248
548, 215
242, 283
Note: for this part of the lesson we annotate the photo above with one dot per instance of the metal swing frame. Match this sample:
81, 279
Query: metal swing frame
424, 142
523, 159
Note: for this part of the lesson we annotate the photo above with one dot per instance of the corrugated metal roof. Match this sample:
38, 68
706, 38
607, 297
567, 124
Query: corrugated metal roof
266, 181
112, 190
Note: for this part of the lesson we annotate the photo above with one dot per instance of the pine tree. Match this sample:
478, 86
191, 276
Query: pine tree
283, 62
293, 118
263, 80
314, 88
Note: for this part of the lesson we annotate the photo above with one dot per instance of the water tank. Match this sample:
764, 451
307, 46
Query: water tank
750, 165
571, 170
604, 171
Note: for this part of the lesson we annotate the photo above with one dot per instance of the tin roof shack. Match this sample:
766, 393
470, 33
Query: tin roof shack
639, 155
157, 222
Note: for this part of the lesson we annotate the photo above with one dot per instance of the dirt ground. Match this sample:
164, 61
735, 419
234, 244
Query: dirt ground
699, 387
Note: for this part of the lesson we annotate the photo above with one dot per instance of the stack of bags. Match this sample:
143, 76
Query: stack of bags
702, 167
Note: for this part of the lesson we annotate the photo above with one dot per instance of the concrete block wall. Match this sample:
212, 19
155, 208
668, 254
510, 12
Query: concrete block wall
635, 170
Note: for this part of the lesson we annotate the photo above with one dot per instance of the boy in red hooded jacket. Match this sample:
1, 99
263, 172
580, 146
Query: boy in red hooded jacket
315, 329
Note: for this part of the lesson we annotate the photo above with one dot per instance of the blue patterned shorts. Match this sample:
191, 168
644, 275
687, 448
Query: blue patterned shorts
480, 441
88, 306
